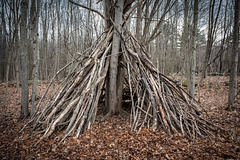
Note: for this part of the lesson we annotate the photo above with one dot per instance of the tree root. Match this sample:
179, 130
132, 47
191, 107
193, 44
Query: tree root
121, 112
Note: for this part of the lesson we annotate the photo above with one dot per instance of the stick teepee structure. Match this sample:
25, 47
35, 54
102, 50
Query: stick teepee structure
156, 100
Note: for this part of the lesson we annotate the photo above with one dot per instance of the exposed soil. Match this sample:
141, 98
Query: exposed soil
112, 139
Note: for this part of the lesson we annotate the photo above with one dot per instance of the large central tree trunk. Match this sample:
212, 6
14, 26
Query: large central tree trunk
113, 72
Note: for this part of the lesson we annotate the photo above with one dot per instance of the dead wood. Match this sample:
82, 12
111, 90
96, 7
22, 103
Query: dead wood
156, 100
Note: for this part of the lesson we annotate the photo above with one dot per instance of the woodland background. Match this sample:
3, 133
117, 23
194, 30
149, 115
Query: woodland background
196, 45
64, 30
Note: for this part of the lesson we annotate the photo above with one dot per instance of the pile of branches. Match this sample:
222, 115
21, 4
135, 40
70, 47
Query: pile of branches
156, 100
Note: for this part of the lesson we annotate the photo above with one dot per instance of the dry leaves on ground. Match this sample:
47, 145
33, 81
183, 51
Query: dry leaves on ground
112, 139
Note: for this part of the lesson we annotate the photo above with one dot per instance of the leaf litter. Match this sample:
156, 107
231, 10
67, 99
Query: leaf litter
112, 139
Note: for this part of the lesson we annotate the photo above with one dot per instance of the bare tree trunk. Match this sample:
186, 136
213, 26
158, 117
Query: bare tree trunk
24, 59
212, 23
194, 45
88, 31
17, 48
3, 46
221, 58
139, 22
45, 40
234, 57
185, 47
35, 46
107, 26
108, 13
120, 84
9, 56
59, 51
52, 43
17, 65
207, 57
114, 59
12, 39
7, 71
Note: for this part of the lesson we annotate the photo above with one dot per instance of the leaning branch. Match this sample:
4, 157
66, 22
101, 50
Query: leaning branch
93, 10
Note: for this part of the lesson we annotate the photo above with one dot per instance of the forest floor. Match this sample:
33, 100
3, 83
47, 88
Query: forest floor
112, 139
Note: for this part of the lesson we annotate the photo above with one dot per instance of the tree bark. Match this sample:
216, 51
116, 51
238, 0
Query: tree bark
114, 59
4, 68
185, 46
234, 57
139, 22
3, 46
108, 13
194, 45
35, 46
120, 85
45, 16
8, 67
24, 59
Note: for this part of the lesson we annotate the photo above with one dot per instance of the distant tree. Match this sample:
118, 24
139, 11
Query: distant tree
212, 27
3, 46
234, 57
24, 59
165, 6
139, 22
12, 38
34, 17
193, 61
185, 43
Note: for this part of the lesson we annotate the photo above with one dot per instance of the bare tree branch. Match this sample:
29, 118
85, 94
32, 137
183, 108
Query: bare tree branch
93, 10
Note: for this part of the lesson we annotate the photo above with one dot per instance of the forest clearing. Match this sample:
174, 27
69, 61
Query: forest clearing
112, 139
